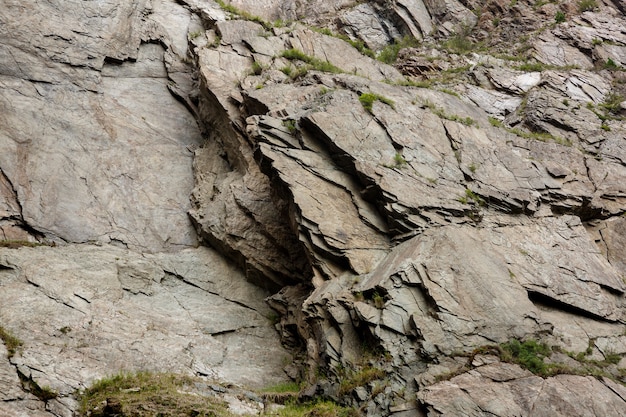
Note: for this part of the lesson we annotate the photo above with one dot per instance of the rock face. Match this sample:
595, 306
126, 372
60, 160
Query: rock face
79, 109
96, 162
407, 220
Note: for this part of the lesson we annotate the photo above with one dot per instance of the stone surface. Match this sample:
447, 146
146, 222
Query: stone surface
506, 391
431, 229
91, 311
404, 219
82, 132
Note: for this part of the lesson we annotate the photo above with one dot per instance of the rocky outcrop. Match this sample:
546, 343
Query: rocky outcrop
563, 395
407, 220
100, 270
435, 221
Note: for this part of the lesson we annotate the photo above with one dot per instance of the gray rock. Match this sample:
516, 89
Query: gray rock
109, 310
73, 126
549, 51
413, 228
365, 23
497, 104
479, 392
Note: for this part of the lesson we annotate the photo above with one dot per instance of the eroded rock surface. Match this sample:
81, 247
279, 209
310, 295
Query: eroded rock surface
89, 311
93, 144
97, 146
435, 221
407, 219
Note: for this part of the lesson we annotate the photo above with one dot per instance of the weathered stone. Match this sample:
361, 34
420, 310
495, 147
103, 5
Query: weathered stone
109, 310
365, 23
514, 81
417, 225
495, 103
103, 191
477, 393
549, 51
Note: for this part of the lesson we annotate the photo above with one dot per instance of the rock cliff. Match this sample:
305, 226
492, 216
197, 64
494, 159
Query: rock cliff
419, 203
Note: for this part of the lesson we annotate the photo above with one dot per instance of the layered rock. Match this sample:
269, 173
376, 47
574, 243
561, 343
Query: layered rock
101, 272
434, 222
407, 219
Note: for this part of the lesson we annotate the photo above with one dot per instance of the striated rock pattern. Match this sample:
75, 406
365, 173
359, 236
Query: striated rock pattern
407, 220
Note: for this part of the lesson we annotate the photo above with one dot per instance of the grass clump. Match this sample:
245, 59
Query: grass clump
314, 409
460, 43
399, 159
379, 300
311, 62
290, 125
358, 44
612, 103
242, 14
532, 67
146, 394
467, 121
471, 196
540, 136
257, 69
611, 65
351, 379
389, 54
495, 122
528, 354
44, 393
11, 342
13, 244
559, 17
587, 5
284, 387
367, 101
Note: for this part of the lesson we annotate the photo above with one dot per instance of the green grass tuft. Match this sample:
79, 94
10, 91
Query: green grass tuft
242, 14
170, 395
367, 101
389, 54
146, 394
311, 62
351, 379
11, 342
528, 354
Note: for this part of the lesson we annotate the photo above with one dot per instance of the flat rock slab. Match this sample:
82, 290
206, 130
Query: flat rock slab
93, 146
86, 312
506, 390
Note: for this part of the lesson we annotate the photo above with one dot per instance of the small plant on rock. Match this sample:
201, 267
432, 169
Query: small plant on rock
378, 299
257, 69
559, 17
389, 54
528, 354
352, 378
367, 101
611, 65
587, 5
11, 342
195, 34
471, 196
399, 159
290, 125
612, 103
316, 64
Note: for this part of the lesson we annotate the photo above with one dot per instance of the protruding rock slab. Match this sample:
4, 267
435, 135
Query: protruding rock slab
506, 390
